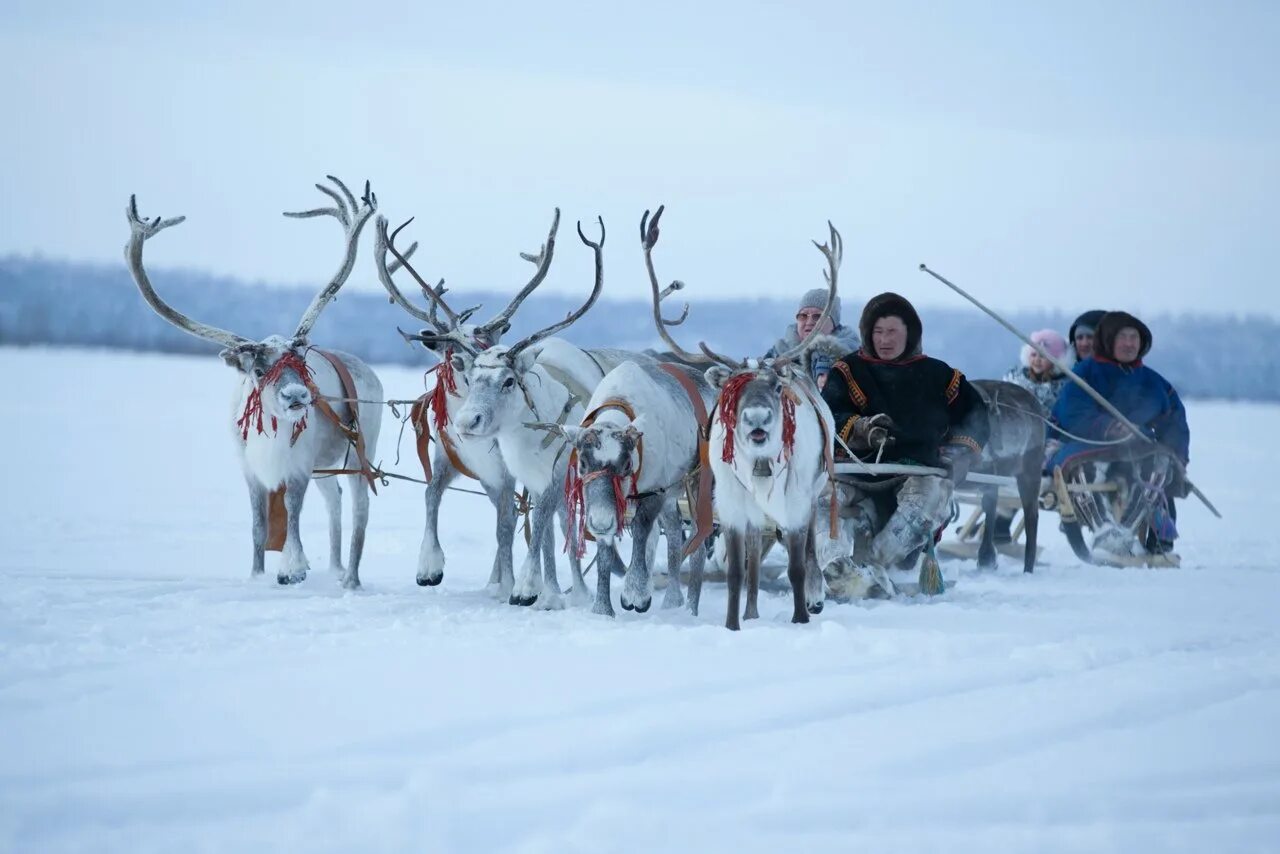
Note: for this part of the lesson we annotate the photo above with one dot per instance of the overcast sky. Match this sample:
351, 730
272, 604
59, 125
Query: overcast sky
1066, 155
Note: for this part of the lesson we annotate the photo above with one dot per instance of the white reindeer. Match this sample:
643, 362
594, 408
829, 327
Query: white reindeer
477, 456
506, 389
770, 450
280, 438
638, 444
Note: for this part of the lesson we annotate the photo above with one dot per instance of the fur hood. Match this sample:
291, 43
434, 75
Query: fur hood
1104, 337
887, 304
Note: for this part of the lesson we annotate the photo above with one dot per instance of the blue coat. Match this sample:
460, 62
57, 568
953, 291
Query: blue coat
1146, 398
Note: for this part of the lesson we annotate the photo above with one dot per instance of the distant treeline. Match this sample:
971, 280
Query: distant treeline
58, 303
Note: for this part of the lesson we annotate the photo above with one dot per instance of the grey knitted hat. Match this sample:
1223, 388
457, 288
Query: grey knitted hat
817, 298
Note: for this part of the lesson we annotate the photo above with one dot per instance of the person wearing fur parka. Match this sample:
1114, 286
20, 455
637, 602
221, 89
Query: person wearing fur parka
1037, 374
893, 403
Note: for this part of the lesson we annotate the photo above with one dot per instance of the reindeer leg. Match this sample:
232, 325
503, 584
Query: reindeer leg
431, 556
637, 587
552, 598
359, 524
502, 577
529, 585
734, 545
697, 562
795, 541
754, 555
987, 548
1029, 492
258, 509
294, 566
607, 563
813, 592
674, 532
578, 594
331, 491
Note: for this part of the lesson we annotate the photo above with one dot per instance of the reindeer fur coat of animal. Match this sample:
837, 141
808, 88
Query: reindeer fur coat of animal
660, 448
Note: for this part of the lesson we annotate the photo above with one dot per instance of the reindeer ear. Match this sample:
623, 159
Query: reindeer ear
717, 375
460, 362
630, 436
572, 433
430, 345
782, 369
236, 359
526, 359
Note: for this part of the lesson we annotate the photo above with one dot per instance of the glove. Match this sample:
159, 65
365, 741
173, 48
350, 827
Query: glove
1178, 487
871, 431
957, 459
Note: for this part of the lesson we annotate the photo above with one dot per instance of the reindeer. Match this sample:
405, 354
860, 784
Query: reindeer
770, 449
280, 439
500, 400
1016, 448
620, 457
455, 452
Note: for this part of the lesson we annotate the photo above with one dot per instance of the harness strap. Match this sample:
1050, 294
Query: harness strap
352, 430
828, 459
704, 519
422, 432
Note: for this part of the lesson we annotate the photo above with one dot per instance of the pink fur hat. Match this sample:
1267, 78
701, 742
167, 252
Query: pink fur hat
1053, 343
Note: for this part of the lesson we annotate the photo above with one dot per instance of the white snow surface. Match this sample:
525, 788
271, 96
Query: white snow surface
154, 697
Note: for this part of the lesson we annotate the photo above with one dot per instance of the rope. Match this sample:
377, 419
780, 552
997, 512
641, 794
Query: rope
1069, 435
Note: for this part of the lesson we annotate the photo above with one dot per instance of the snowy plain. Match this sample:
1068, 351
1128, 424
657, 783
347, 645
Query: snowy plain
154, 697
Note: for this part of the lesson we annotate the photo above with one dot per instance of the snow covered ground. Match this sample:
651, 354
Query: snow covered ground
155, 698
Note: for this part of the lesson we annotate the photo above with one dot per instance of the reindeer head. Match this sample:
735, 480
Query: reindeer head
604, 468
756, 405
276, 366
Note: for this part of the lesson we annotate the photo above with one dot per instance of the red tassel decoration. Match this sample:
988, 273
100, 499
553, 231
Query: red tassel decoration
728, 410
446, 382
788, 424
252, 415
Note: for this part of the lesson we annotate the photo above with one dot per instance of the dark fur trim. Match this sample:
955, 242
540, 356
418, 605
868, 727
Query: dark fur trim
1104, 337
891, 304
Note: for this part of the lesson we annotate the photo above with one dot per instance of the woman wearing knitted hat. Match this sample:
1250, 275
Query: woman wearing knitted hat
807, 316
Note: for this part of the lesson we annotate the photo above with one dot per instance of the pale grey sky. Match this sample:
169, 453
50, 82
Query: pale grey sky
1066, 155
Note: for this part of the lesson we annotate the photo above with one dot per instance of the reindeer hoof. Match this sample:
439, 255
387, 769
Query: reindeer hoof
814, 607
522, 601
430, 580
640, 609
603, 610
351, 583
800, 617
292, 578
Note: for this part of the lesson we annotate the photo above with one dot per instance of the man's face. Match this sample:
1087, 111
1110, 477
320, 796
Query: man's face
807, 319
1084, 343
889, 337
1128, 345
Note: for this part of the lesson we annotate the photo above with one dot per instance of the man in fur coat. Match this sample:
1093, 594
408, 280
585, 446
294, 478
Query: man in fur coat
892, 402
1115, 370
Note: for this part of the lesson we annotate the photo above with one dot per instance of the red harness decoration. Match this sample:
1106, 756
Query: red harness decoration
253, 405
728, 415
446, 382
575, 501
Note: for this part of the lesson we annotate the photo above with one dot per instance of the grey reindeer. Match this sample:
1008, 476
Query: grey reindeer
280, 438
770, 450
479, 457
507, 387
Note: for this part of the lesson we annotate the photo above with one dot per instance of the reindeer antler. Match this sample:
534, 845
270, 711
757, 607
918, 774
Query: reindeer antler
353, 217
542, 263
384, 243
834, 253
572, 317
649, 239
140, 230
